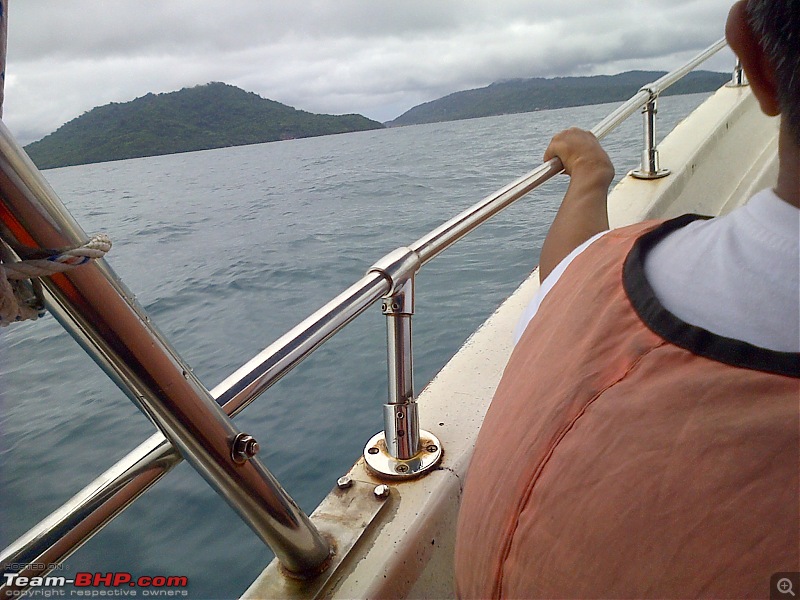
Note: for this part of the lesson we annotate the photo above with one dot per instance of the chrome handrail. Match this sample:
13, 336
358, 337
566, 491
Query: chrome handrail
60, 534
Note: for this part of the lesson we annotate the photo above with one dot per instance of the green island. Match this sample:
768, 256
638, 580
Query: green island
218, 115
215, 115
528, 95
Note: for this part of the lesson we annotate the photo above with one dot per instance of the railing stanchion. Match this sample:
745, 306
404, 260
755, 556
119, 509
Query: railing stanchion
650, 168
400, 415
402, 449
738, 79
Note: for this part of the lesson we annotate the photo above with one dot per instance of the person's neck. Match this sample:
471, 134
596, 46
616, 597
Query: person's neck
788, 187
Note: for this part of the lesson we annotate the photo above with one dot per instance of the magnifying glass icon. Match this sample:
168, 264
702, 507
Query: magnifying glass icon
784, 586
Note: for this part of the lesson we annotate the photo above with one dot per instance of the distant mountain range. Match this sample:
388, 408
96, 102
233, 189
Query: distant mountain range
214, 115
219, 115
526, 95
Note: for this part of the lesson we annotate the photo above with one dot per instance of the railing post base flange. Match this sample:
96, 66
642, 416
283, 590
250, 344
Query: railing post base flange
641, 174
382, 464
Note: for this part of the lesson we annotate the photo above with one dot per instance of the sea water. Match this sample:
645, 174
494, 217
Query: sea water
227, 250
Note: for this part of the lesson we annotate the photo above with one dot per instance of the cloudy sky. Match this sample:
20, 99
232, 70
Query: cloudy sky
374, 57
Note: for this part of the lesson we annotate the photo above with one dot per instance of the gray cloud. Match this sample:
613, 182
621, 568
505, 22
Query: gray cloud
375, 57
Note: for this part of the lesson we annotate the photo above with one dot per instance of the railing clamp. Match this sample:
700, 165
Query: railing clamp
401, 450
397, 267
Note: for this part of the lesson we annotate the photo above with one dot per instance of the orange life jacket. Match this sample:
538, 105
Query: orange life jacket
629, 454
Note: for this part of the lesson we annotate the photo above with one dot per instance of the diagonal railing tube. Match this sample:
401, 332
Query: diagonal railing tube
60, 534
93, 305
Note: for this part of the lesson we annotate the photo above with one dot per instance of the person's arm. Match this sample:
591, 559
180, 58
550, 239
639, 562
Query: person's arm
583, 211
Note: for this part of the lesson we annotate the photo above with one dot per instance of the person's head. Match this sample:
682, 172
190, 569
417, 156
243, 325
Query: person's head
765, 34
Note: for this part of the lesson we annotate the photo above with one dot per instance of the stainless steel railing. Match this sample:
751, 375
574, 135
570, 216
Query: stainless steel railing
100, 313
117, 338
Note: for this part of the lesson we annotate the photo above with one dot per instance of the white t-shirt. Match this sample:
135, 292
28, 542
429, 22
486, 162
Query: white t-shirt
737, 275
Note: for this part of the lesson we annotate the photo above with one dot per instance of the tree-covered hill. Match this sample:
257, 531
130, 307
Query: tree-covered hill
526, 95
214, 115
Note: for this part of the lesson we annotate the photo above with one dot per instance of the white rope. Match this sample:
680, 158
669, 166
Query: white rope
17, 300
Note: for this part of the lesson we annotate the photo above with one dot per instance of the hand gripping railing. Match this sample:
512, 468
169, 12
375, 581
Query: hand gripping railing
101, 314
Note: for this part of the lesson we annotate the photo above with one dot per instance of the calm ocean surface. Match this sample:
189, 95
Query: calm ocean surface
228, 249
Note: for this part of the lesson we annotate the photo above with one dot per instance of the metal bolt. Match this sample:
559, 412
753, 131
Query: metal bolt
381, 491
401, 468
244, 448
344, 482
431, 448
373, 450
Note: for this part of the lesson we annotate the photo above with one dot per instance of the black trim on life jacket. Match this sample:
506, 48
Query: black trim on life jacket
695, 339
